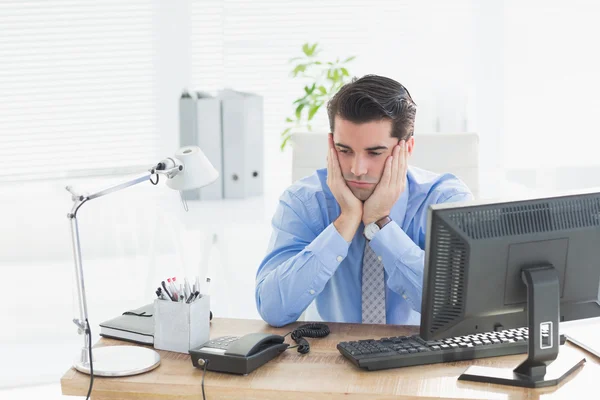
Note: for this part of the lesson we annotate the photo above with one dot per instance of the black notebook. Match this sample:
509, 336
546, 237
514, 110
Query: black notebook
133, 326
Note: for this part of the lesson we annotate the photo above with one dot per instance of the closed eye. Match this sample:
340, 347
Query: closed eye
371, 153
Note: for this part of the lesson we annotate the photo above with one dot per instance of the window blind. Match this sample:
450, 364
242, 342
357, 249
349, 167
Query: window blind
77, 88
246, 45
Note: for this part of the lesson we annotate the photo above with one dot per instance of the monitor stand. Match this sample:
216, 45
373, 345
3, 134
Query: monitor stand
543, 366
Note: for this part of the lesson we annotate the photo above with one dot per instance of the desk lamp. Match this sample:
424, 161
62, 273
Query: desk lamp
188, 169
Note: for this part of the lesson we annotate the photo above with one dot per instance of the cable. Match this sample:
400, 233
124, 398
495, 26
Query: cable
204, 373
307, 330
89, 333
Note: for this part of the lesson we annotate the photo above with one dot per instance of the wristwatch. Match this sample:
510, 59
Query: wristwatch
374, 227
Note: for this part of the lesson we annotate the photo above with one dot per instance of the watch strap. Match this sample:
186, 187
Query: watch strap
383, 221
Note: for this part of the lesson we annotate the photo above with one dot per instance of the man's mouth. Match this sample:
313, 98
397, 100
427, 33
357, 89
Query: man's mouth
359, 184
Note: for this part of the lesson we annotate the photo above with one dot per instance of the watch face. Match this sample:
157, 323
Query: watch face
371, 230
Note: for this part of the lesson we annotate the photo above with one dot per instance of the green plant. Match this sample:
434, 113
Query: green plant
324, 79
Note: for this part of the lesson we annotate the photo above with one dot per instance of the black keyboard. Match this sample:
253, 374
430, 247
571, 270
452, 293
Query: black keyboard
406, 351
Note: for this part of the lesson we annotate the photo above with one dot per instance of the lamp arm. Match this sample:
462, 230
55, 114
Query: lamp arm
78, 200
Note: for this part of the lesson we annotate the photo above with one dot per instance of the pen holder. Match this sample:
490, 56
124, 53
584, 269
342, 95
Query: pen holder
179, 326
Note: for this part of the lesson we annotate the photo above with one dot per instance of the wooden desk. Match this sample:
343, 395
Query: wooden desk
321, 374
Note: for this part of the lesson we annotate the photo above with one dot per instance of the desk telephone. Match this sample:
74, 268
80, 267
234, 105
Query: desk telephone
242, 355
238, 355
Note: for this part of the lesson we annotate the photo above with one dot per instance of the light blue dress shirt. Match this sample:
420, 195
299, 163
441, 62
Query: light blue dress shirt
309, 261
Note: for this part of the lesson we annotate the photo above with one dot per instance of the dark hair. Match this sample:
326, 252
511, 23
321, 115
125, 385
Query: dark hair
373, 98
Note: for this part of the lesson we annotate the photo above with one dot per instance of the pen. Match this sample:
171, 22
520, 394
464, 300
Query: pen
186, 288
166, 291
190, 298
207, 290
172, 286
176, 286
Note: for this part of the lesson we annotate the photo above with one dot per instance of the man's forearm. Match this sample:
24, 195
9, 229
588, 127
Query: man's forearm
287, 285
347, 225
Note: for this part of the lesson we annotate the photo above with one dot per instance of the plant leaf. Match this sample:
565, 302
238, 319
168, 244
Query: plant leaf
288, 119
284, 143
344, 71
299, 111
306, 49
313, 110
299, 68
313, 48
349, 59
322, 89
300, 100
286, 132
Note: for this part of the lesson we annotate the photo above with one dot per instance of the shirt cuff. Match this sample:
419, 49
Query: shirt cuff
329, 247
391, 233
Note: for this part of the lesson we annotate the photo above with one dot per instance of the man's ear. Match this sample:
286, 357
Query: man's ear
411, 145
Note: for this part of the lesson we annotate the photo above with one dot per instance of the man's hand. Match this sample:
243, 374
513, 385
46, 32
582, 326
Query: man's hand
390, 187
351, 207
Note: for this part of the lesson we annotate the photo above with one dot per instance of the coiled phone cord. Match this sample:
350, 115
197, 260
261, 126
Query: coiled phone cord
312, 330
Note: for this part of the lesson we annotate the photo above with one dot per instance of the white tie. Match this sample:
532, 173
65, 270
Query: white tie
373, 288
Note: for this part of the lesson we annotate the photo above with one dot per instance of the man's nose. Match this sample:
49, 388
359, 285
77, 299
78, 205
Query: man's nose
359, 166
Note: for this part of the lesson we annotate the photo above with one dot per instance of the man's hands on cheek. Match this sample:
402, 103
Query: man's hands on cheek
351, 208
390, 186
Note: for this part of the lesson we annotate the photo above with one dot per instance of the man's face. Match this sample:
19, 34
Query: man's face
362, 150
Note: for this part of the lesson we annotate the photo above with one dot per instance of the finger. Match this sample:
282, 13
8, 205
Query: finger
387, 172
403, 163
335, 165
395, 164
405, 156
329, 169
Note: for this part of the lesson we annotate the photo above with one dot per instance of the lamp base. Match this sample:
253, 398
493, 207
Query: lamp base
120, 361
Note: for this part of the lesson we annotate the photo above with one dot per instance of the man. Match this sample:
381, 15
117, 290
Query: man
351, 237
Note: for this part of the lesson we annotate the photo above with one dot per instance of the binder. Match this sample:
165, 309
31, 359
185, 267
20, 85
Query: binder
243, 130
135, 326
200, 125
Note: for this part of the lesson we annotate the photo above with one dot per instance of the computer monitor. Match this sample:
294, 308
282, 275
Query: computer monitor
522, 263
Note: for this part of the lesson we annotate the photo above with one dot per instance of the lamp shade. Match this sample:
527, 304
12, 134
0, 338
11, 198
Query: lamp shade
197, 170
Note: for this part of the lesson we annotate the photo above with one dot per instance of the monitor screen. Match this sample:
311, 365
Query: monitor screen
475, 252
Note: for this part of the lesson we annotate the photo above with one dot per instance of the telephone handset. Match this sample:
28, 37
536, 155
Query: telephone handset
242, 355
253, 343
239, 355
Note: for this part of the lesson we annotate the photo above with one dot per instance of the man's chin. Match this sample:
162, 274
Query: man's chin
362, 194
